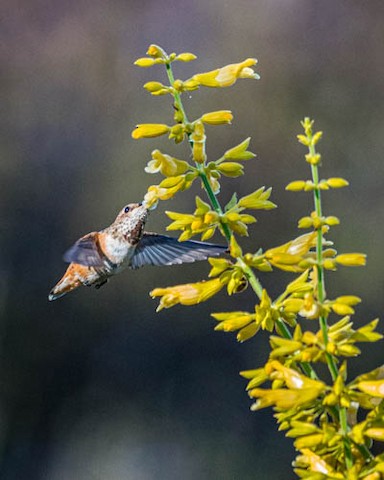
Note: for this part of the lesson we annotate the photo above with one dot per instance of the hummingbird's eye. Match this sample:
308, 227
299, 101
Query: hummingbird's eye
127, 209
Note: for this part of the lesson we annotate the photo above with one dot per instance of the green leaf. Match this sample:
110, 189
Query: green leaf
231, 203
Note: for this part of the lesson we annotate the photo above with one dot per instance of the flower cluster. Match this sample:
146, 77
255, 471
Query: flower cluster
332, 423
205, 221
194, 131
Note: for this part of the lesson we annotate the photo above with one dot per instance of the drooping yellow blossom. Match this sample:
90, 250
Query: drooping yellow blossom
282, 398
150, 130
165, 164
166, 189
316, 464
198, 138
227, 76
188, 294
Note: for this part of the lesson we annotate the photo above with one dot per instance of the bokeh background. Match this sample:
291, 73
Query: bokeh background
97, 385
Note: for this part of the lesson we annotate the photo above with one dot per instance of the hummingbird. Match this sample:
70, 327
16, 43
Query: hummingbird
97, 256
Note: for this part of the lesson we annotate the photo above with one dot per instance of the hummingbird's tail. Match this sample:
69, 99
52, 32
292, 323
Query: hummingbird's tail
68, 283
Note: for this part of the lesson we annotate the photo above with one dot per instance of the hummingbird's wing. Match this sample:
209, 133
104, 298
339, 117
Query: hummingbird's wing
87, 251
154, 249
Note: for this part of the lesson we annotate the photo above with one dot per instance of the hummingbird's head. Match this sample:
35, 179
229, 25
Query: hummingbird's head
131, 219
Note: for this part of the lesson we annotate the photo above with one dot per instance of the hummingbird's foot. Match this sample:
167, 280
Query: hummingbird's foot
100, 284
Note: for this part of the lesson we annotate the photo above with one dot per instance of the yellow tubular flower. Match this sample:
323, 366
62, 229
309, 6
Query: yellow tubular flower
296, 186
149, 130
351, 259
220, 117
282, 398
375, 388
231, 169
240, 152
145, 62
185, 57
188, 294
337, 182
227, 76
165, 164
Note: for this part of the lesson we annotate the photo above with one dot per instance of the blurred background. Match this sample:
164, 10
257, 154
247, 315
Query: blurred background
97, 385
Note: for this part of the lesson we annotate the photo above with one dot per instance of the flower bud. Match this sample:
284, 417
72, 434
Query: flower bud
145, 62
336, 182
331, 221
231, 169
149, 130
296, 186
185, 57
240, 152
220, 117
351, 259
156, 52
305, 222
313, 159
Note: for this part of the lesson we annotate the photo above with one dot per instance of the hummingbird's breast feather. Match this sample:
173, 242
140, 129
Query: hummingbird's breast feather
118, 251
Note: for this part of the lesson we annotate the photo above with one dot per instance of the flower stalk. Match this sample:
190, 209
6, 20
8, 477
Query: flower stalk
313, 159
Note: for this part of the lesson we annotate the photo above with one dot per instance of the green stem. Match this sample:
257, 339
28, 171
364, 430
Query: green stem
176, 95
320, 270
207, 186
332, 366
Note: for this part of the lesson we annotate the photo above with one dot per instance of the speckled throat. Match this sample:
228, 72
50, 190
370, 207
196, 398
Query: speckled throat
131, 226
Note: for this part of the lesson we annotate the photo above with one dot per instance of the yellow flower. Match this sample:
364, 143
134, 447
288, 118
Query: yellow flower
351, 259
257, 200
203, 221
296, 186
188, 294
156, 52
185, 57
231, 321
156, 88
149, 130
375, 388
310, 308
165, 164
198, 138
231, 169
240, 152
217, 118
316, 464
288, 257
282, 398
337, 182
166, 190
145, 62
227, 76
